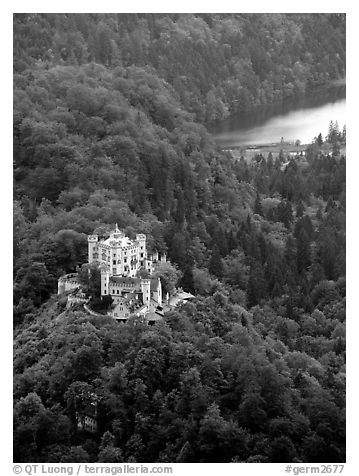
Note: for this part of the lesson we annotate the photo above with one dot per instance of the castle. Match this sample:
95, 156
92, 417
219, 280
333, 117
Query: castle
121, 256
120, 260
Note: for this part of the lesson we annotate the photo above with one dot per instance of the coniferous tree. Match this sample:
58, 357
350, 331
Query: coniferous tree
300, 209
187, 281
303, 251
319, 140
215, 265
256, 287
258, 206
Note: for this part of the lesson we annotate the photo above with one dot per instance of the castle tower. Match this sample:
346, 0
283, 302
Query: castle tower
92, 248
146, 291
60, 286
142, 251
105, 281
158, 292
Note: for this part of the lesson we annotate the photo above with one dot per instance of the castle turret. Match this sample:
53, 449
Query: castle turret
60, 286
146, 291
142, 251
92, 248
157, 295
105, 280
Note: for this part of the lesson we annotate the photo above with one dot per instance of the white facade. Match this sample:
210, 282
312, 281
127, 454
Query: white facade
122, 256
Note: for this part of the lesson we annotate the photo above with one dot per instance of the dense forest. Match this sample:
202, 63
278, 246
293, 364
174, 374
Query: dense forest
109, 127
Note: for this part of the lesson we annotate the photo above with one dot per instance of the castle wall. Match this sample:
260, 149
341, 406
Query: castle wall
67, 283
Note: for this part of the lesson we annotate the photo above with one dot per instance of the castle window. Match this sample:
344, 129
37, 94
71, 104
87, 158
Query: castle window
141, 255
104, 291
114, 261
118, 292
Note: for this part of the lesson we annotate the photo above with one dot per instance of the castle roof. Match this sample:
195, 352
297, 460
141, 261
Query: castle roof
180, 297
154, 316
118, 239
130, 302
125, 280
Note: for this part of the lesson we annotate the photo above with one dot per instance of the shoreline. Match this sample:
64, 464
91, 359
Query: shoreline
309, 91
288, 149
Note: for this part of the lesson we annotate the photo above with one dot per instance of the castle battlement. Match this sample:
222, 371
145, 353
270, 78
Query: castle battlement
92, 238
68, 282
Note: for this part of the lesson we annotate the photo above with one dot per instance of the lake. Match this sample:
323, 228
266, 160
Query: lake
293, 119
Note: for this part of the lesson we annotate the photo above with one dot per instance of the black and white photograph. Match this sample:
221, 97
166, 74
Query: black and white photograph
179, 241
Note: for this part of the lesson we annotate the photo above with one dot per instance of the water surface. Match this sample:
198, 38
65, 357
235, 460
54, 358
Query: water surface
300, 119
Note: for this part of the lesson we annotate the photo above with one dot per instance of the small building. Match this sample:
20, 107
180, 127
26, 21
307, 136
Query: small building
87, 419
131, 296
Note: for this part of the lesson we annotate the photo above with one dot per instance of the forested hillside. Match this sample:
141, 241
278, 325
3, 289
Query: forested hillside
216, 63
108, 128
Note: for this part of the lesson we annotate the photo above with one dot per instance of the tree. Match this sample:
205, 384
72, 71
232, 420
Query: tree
256, 287
235, 269
333, 132
33, 281
29, 414
285, 213
215, 265
303, 251
77, 454
169, 275
187, 281
299, 210
282, 450
89, 277
319, 140
108, 452
219, 440
257, 206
